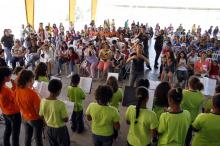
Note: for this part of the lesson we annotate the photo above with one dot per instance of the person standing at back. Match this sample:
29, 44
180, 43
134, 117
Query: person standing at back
158, 47
29, 104
192, 101
8, 42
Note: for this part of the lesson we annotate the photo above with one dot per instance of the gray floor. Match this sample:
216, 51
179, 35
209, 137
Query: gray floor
84, 139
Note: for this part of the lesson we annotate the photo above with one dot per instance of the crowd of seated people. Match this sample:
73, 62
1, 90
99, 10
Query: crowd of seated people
99, 50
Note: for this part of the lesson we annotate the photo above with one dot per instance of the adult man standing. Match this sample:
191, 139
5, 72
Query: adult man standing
8, 42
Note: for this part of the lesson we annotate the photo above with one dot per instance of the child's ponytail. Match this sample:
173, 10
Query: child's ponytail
141, 94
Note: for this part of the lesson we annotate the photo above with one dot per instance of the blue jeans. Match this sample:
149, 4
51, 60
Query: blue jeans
8, 55
102, 140
72, 66
135, 76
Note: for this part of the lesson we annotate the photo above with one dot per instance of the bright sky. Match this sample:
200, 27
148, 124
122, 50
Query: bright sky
12, 12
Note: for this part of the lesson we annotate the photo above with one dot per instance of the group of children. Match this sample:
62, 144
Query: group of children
174, 117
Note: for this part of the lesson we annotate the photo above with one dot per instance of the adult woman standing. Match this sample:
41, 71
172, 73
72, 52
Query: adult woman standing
10, 110
137, 65
29, 104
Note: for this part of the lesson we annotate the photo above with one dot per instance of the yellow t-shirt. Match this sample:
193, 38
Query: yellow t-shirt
54, 112
103, 119
173, 128
208, 126
139, 133
192, 101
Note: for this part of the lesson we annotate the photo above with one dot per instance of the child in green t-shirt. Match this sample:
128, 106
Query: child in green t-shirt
41, 72
76, 95
174, 125
206, 126
105, 118
54, 113
143, 122
117, 92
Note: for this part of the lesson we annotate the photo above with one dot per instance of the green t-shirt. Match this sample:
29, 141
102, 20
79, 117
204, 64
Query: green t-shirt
42, 79
208, 126
173, 128
54, 112
103, 118
208, 104
116, 98
158, 110
76, 95
192, 101
140, 133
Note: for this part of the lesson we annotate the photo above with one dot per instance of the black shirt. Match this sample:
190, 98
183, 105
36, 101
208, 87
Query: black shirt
137, 64
2, 62
7, 41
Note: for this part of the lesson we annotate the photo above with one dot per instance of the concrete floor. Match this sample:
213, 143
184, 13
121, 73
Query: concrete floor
85, 139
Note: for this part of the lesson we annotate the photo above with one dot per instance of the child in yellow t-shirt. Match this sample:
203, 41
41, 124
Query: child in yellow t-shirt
206, 126
142, 121
105, 118
76, 95
54, 113
174, 125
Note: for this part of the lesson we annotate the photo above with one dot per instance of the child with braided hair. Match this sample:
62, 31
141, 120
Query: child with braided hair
143, 122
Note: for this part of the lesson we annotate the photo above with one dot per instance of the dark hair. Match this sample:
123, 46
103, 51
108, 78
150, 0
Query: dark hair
176, 95
217, 88
195, 83
143, 82
54, 86
161, 94
17, 70
75, 80
103, 94
113, 83
4, 72
24, 77
216, 100
178, 56
141, 94
41, 70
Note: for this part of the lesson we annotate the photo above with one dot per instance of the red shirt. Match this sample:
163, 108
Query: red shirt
214, 70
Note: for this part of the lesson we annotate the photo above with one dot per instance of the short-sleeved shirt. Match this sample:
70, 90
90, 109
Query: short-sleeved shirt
173, 128
208, 130
54, 112
116, 98
158, 110
76, 95
103, 118
28, 102
7, 101
137, 64
139, 133
192, 101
